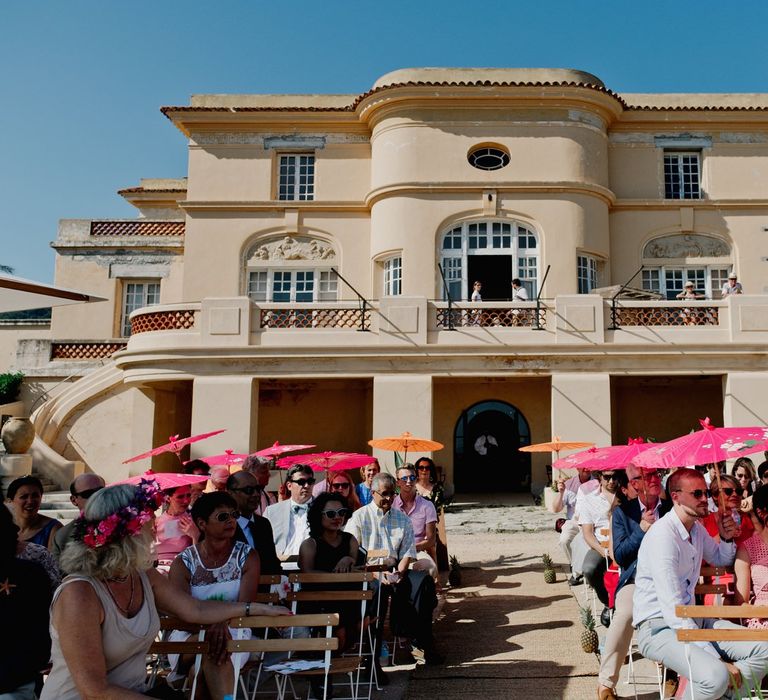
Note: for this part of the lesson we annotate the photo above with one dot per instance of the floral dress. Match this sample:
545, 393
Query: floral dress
221, 583
758, 566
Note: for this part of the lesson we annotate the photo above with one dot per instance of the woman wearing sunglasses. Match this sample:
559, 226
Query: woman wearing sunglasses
340, 484
329, 549
216, 568
731, 492
751, 565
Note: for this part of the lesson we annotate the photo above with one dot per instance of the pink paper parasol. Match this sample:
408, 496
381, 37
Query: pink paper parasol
278, 449
228, 458
602, 458
165, 480
704, 446
328, 461
173, 445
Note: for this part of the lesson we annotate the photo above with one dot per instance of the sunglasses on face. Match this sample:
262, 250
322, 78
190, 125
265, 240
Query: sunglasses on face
610, 477
304, 482
385, 496
341, 486
340, 513
698, 494
407, 479
88, 492
247, 490
225, 515
728, 491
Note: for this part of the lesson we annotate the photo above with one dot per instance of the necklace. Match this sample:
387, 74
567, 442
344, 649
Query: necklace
215, 563
122, 609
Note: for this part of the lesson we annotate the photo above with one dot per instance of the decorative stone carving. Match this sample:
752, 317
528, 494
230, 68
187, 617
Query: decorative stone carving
17, 435
686, 246
293, 248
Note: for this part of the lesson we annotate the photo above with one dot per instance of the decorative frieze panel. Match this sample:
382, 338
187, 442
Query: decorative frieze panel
686, 246
292, 248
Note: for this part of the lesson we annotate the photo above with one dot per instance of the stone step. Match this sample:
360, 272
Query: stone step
56, 504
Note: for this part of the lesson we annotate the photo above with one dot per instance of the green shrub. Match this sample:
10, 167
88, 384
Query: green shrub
10, 383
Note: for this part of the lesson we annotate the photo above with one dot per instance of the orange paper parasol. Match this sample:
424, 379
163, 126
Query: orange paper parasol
556, 445
406, 442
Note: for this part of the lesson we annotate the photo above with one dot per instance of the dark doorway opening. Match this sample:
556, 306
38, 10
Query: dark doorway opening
486, 443
495, 272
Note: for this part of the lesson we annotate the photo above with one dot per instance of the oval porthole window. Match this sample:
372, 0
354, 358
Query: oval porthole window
488, 157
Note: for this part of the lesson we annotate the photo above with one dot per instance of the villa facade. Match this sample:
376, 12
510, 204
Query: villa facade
309, 280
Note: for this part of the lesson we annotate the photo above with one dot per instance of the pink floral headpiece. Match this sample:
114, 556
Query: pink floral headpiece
125, 522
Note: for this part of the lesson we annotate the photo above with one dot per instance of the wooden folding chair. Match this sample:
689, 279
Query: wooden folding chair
362, 594
198, 647
325, 644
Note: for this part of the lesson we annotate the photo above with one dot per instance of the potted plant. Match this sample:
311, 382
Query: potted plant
10, 386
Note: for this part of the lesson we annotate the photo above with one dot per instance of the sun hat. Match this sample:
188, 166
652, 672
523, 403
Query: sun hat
689, 284
732, 276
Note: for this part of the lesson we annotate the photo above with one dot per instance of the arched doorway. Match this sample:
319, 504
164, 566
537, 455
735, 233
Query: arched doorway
485, 444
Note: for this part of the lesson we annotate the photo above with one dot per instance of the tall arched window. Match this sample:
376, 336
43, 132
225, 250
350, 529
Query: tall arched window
493, 252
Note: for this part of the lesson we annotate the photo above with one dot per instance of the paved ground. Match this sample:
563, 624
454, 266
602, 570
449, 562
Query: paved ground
505, 631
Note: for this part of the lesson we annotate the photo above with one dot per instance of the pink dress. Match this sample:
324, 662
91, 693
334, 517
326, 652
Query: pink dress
170, 540
758, 565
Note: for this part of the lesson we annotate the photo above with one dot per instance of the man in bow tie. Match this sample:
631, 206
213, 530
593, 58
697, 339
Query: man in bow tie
251, 527
289, 518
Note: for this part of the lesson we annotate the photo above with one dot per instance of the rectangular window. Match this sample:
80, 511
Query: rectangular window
651, 280
526, 271
296, 177
135, 296
305, 285
281, 286
718, 277
257, 285
586, 273
682, 175
393, 277
453, 275
329, 286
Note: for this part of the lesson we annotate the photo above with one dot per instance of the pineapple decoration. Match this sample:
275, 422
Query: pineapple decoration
454, 575
549, 569
588, 639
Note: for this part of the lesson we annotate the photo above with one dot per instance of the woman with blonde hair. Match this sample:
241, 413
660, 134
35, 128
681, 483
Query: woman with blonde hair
104, 615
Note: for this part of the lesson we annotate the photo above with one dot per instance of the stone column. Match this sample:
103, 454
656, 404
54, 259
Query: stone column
400, 403
581, 408
142, 428
745, 400
229, 402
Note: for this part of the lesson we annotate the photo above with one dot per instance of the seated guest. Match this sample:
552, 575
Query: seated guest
25, 495
762, 473
423, 518
380, 526
252, 528
668, 566
751, 565
25, 595
80, 490
200, 468
340, 484
174, 529
631, 520
743, 471
731, 491
289, 518
428, 486
567, 493
594, 518
218, 568
28, 551
363, 489
259, 468
329, 549
105, 613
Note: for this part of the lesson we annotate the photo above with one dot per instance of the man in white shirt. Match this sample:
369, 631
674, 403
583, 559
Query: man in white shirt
519, 293
594, 518
567, 493
289, 518
732, 286
668, 567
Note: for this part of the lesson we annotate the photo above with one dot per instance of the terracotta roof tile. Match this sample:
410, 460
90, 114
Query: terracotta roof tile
137, 228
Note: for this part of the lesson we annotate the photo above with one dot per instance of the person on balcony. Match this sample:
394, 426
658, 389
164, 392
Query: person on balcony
732, 286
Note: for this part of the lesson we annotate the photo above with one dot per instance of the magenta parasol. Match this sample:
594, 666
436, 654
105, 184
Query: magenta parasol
328, 461
601, 458
278, 449
165, 480
173, 445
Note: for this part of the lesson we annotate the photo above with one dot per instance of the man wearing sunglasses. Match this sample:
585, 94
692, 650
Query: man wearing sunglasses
251, 527
423, 517
668, 568
631, 520
259, 467
594, 518
380, 526
80, 490
289, 518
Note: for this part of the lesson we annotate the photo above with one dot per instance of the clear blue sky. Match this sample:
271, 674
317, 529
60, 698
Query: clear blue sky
82, 80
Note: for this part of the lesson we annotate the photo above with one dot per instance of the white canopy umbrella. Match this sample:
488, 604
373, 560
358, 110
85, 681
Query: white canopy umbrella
17, 294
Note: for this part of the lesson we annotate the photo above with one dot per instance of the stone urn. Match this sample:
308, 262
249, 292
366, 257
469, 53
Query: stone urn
17, 435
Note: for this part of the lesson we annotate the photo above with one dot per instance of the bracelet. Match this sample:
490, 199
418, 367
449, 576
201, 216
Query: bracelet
248, 609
